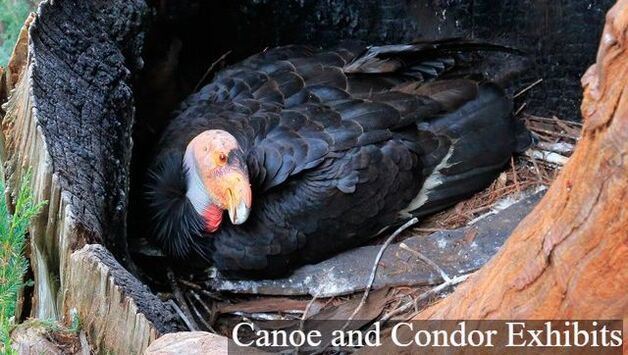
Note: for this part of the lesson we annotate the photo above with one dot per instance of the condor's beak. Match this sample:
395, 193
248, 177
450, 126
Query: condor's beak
238, 206
238, 197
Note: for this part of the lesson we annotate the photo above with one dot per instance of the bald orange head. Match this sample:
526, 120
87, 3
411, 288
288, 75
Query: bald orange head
217, 178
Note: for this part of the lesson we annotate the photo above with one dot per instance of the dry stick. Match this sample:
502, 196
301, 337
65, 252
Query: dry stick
555, 120
210, 69
452, 282
307, 310
545, 137
428, 230
520, 108
427, 260
374, 270
528, 88
397, 311
433, 291
566, 127
199, 288
563, 148
479, 209
514, 174
414, 303
186, 320
212, 295
552, 158
178, 294
554, 133
191, 284
378, 257
538, 171
200, 300
199, 315
304, 317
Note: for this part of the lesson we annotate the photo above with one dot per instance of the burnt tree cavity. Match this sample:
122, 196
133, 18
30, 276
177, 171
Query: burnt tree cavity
69, 120
83, 65
185, 37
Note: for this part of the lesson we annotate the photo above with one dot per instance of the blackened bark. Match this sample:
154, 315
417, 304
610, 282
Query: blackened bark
561, 36
84, 55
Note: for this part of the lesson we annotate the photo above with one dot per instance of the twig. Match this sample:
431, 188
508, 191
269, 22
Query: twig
178, 295
200, 316
452, 282
199, 288
186, 320
553, 120
378, 257
549, 157
414, 303
374, 269
427, 260
307, 310
562, 148
528, 88
565, 127
210, 69
520, 108
514, 174
479, 209
553, 133
538, 171
397, 311
304, 317
428, 230
191, 284
545, 180
200, 300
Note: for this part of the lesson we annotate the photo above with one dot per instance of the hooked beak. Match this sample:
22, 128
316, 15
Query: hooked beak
238, 197
238, 206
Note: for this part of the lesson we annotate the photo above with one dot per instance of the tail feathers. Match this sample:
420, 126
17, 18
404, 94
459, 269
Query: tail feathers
465, 150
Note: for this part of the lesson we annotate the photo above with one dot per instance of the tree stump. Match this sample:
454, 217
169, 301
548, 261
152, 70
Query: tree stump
90, 79
69, 120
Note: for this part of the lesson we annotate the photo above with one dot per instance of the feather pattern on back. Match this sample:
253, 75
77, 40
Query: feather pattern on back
339, 145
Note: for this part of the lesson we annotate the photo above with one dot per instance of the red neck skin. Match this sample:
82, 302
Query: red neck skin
213, 217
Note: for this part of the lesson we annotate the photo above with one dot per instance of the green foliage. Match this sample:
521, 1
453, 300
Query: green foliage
12, 16
13, 264
75, 326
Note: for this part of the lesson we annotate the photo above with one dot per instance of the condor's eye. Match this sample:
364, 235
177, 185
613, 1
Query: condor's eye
222, 158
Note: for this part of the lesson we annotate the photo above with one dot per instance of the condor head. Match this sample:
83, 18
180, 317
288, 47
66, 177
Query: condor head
217, 178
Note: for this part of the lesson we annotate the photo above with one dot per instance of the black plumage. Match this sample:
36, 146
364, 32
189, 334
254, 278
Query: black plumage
339, 145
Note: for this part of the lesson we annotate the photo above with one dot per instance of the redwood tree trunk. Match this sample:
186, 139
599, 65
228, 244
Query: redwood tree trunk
567, 259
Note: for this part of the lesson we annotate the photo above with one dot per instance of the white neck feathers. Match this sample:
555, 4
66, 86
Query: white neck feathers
196, 192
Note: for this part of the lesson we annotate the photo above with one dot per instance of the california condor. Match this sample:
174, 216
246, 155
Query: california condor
312, 152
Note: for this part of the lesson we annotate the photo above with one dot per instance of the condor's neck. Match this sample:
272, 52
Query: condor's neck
196, 191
